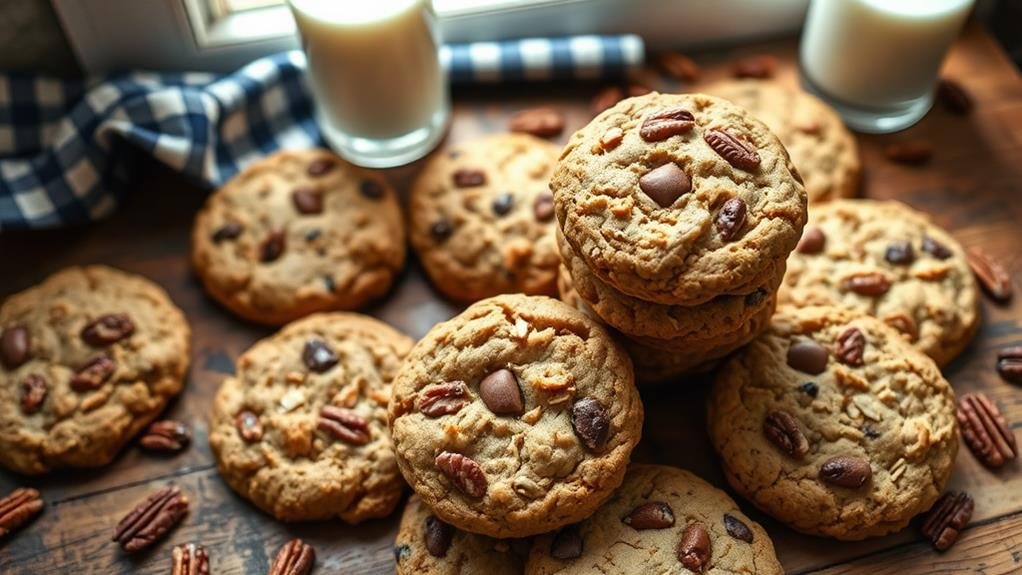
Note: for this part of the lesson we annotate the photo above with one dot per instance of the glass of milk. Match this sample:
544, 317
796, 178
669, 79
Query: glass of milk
374, 70
876, 61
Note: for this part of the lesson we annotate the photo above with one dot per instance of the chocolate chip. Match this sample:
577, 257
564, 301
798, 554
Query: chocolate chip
228, 231
567, 544
438, 536
755, 298
318, 356
663, 124
503, 203
812, 241
33, 393
936, 249
320, 166
402, 552
14, 346
783, 430
329, 283
665, 184
107, 329
371, 189
731, 219
652, 515
694, 548
501, 393
737, 153
870, 431
307, 201
810, 388
737, 528
900, 253
807, 356
543, 207
589, 420
272, 246
873, 284
249, 426
313, 234
443, 398
465, 178
93, 374
441, 229
851, 344
846, 471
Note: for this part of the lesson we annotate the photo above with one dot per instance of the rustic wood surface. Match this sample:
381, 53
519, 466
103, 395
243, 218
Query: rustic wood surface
973, 187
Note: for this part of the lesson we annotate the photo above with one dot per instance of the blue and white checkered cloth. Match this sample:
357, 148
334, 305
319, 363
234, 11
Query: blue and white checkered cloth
67, 148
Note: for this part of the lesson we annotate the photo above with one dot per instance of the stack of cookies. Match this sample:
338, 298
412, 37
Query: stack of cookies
676, 213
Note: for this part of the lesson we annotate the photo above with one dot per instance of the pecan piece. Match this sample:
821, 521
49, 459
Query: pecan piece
344, 424
991, 275
107, 329
443, 398
17, 508
946, 519
904, 324
652, 515
94, 373
985, 431
1009, 364
737, 153
851, 345
694, 548
663, 124
464, 473
542, 122
151, 519
872, 284
782, 429
33, 393
168, 435
190, 559
543, 207
731, 219
466, 178
294, 558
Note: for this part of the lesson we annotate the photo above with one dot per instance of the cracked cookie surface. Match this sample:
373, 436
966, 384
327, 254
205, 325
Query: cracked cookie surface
427, 546
299, 232
823, 150
90, 356
611, 544
727, 227
877, 404
267, 427
927, 290
517, 416
481, 218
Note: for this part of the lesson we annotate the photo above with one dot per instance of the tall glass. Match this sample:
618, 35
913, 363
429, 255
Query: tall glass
876, 61
374, 70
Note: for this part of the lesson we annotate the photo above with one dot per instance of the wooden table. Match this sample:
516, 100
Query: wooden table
973, 186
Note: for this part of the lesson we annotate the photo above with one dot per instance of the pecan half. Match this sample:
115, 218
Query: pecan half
463, 472
344, 424
985, 431
17, 508
167, 435
992, 276
737, 153
652, 515
1009, 364
782, 429
94, 373
294, 558
851, 344
663, 124
946, 519
542, 122
107, 329
443, 398
151, 519
694, 548
33, 393
190, 559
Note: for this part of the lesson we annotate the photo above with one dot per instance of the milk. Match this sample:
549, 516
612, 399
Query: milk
879, 55
374, 70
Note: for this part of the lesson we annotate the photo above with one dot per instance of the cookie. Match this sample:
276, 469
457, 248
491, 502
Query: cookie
298, 232
678, 199
823, 150
834, 424
87, 359
427, 546
661, 520
481, 218
516, 417
892, 262
301, 429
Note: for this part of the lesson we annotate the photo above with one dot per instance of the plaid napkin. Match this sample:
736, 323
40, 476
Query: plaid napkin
67, 147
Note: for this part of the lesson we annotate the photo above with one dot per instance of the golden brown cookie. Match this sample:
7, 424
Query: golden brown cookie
301, 428
834, 424
481, 218
87, 359
298, 232
516, 417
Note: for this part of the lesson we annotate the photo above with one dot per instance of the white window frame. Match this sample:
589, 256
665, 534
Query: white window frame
179, 35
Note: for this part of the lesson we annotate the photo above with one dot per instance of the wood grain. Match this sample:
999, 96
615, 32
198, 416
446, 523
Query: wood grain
973, 187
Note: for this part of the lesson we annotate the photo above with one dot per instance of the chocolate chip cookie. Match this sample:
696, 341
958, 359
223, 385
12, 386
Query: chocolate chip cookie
427, 546
661, 520
301, 428
823, 150
834, 424
481, 218
516, 417
299, 232
892, 262
678, 199
87, 359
